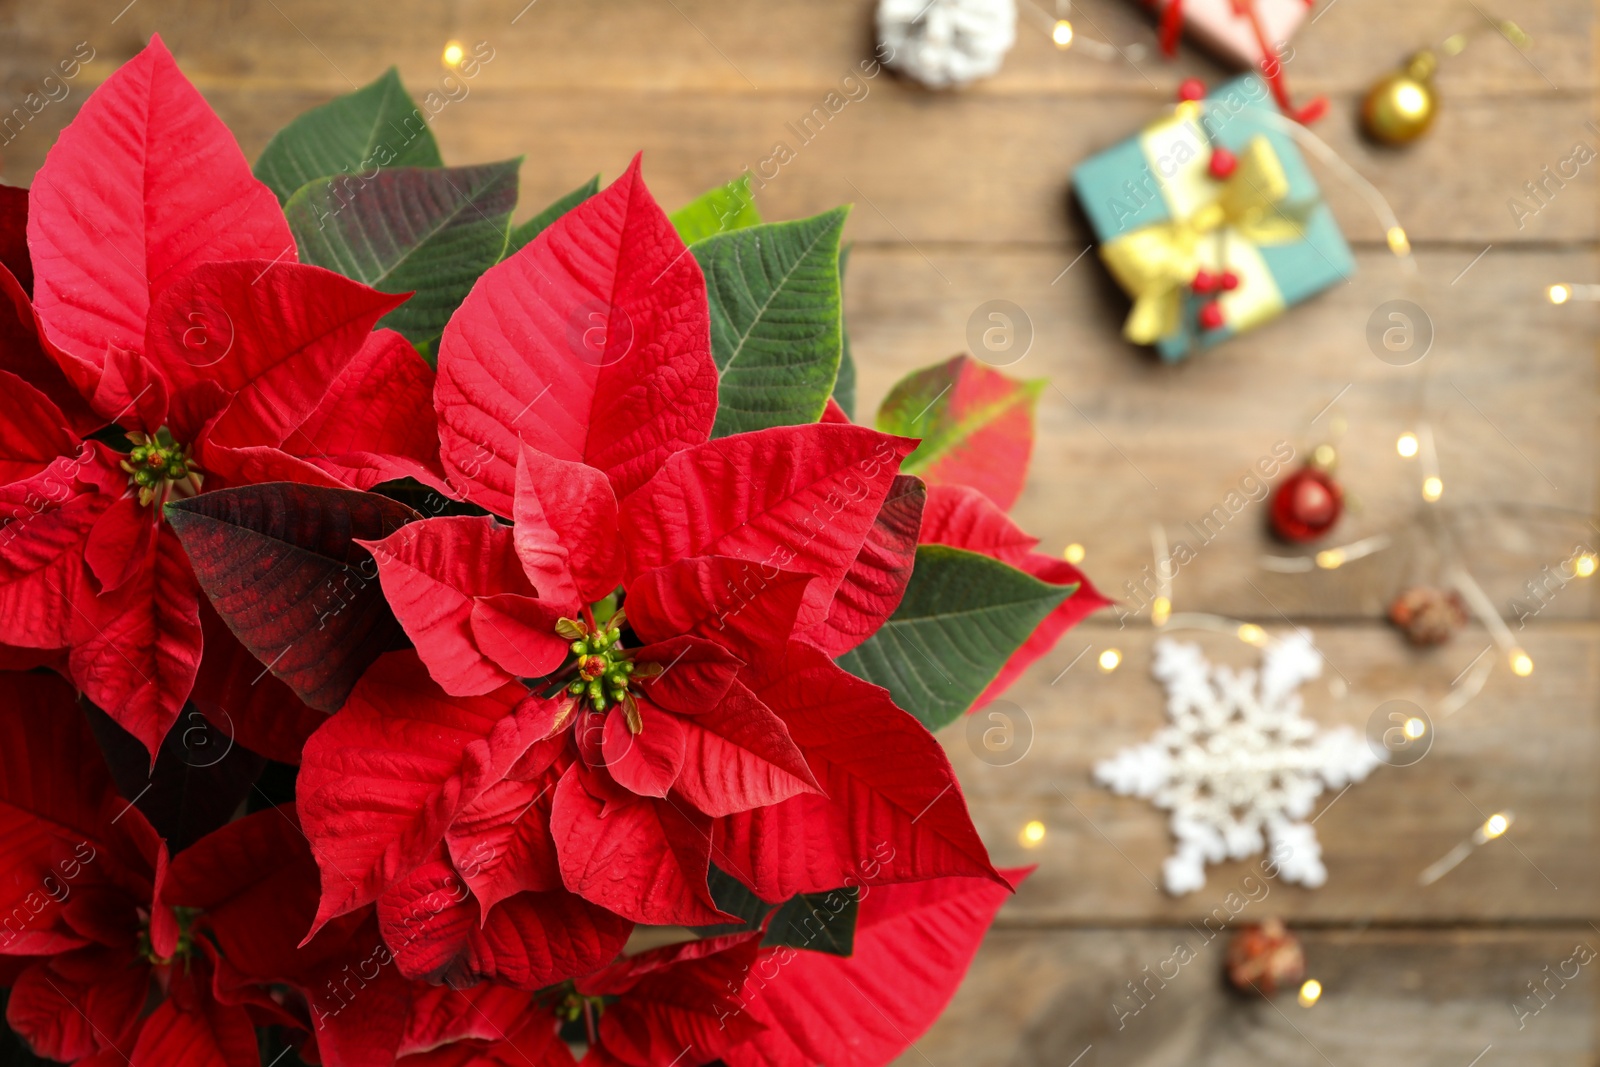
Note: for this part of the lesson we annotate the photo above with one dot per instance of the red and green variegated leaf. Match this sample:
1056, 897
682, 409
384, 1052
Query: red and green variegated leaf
381, 781
875, 583
245, 701
592, 344
528, 940
890, 798
282, 565
427, 231
144, 185
976, 426
799, 498
913, 945
276, 336
376, 422
964, 518
643, 858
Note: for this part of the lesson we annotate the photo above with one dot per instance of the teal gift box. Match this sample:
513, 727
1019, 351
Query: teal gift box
1210, 220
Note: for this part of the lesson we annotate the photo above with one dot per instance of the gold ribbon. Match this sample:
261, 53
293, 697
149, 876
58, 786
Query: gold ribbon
1157, 263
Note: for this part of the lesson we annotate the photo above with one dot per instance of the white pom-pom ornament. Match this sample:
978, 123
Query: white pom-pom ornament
944, 43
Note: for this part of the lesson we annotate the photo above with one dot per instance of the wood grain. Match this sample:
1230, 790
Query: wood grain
963, 198
1525, 745
1415, 997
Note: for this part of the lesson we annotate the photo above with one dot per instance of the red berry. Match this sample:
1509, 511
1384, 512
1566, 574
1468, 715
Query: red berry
1230, 280
1211, 316
1204, 282
1306, 505
1191, 89
1223, 163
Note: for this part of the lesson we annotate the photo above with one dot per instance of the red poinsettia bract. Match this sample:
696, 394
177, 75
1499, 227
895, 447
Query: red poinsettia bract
654, 590
167, 303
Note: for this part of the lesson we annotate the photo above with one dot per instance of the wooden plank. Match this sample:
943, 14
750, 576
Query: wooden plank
714, 46
973, 168
1525, 745
1391, 998
1121, 434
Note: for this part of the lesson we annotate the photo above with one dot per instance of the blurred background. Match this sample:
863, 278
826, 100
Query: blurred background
962, 198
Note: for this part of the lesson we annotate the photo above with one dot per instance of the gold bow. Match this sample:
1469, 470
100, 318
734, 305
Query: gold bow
1157, 263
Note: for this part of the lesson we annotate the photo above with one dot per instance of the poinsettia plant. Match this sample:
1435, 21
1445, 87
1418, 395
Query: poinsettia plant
438, 641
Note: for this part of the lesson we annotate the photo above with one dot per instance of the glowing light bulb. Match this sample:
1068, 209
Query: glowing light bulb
1585, 564
1310, 992
1415, 728
1559, 294
1074, 553
1521, 663
1032, 834
1160, 610
1062, 34
1399, 243
1251, 634
1330, 558
1432, 489
1495, 825
1406, 445
1110, 659
453, 54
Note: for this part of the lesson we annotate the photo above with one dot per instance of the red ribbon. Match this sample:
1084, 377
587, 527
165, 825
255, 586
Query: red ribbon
1171, 27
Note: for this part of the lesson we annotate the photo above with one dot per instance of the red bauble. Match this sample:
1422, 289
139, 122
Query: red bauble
1191, 89
1223, 164
1306, 505
1266, 957
1211, 316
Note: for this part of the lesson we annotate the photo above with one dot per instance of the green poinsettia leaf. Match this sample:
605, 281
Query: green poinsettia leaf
430, 231
821, 922
731, 896
521, 235
723, 209
775, 329
844, 387
377, 126
976, 426
962, 617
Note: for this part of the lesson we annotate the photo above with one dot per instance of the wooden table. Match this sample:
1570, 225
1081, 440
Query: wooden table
962, 198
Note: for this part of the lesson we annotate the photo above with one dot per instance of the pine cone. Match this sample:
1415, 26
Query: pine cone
1428, 616
1265, 957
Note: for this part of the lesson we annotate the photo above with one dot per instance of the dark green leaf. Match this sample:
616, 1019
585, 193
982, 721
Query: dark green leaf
428, 231
775, 330
821, 922
962, 617
723, 209
731, 896
375, 126
540, 222
844, 387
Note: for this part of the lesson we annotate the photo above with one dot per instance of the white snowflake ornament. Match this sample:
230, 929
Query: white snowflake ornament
944, 43
1239, 767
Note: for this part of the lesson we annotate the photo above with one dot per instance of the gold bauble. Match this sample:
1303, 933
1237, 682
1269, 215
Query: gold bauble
1401, 106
